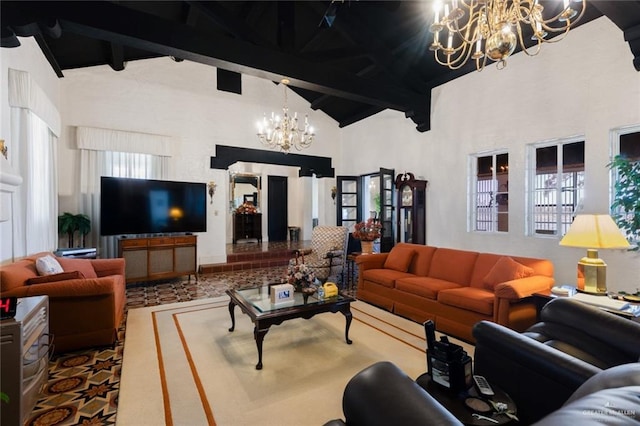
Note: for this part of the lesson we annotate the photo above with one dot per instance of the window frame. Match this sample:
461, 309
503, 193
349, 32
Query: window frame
614, 147
531, 190
472, 203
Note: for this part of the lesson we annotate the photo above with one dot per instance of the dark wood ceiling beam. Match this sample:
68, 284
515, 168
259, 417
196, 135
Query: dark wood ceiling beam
113, 23
117, 56
360, 115
16, 23
49, 55
632, 36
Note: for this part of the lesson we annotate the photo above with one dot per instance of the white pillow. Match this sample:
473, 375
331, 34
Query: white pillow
48, 265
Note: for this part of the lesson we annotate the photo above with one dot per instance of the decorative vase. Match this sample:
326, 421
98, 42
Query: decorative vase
306, 292
367, 247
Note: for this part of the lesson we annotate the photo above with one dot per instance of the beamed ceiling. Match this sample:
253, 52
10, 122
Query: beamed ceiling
372, 57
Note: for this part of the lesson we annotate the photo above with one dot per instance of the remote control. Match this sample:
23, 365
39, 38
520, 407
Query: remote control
483, 386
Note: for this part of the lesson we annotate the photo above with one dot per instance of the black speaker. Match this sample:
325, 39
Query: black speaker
229, 81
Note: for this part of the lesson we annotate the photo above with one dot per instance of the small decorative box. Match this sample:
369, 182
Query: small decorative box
281, 293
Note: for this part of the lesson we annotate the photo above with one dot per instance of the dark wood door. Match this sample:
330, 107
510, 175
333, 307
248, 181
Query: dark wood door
387, 208
277, 201
348, 201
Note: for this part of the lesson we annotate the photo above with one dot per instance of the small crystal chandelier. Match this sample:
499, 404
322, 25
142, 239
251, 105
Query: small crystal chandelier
283, 133
481, 29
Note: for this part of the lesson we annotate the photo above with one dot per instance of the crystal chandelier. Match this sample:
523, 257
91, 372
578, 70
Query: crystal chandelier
283, 133
481, 29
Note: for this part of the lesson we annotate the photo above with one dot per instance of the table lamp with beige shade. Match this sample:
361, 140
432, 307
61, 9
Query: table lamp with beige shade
593, 232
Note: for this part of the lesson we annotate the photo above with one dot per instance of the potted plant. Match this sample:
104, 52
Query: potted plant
69, 224
626, 199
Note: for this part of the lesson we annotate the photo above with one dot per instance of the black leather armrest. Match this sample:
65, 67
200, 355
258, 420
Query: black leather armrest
383, 395
539, 378
614, 332
336, 422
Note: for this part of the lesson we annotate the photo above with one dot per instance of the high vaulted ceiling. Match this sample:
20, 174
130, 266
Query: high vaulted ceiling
373, 55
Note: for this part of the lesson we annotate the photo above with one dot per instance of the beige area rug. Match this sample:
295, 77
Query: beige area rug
182, 366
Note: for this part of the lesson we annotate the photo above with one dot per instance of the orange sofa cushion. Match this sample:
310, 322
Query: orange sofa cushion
399, 259
424, 286
506, 269
82, 265
468, 298
16, 274
453, 265
62, 276
384, 277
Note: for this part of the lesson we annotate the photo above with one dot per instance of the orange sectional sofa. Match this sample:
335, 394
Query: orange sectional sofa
454, 288
86, 301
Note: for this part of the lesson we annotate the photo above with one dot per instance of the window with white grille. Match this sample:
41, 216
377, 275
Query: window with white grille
490, 192
557, 188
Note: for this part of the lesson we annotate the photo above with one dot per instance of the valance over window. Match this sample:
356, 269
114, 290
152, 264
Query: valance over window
96, 139
25, 93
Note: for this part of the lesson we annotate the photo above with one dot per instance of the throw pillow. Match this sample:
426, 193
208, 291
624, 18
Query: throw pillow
399, 259
83, 265
55, 277
48, 265
506, 269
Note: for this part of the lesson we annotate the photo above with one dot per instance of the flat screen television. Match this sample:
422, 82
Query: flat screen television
145, 206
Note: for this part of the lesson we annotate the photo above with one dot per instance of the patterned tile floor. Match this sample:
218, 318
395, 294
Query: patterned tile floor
83, 386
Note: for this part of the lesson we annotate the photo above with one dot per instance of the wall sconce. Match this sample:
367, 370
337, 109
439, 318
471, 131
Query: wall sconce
4, 149
334, 192
212, 190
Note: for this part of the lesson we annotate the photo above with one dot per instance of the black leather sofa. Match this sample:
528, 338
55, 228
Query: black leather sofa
542, 367
383, 395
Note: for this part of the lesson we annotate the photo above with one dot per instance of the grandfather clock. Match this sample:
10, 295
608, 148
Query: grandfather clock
412, 194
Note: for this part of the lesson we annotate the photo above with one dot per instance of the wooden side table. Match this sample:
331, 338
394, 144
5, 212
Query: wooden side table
350, 277
454, 402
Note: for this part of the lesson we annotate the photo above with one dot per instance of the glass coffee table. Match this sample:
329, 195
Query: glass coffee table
256, 303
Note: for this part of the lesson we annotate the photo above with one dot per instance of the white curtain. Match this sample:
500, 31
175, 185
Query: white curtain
93, 165
35, 123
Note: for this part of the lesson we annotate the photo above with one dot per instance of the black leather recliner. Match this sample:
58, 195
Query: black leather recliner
383, 395
543, 366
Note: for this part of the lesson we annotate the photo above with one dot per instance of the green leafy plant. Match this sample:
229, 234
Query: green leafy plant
69, 224
626, 201
4, 397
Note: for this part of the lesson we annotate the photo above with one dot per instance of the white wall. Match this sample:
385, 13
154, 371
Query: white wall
164, 97
584, 85
28, 57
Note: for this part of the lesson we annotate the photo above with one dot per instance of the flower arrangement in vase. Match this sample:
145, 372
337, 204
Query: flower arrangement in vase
301, 277
247, 208
367, 232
